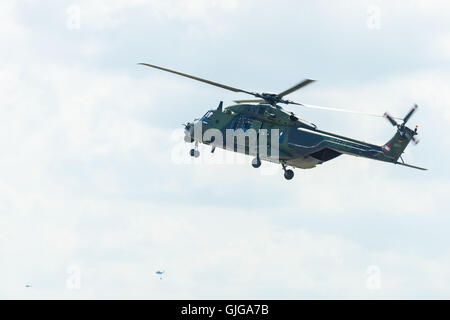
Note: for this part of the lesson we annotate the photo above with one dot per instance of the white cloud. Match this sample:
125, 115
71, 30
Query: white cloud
440, 48
86, 180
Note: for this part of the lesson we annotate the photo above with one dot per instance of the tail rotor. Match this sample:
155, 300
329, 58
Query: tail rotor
390, 119
402, 127
409, 114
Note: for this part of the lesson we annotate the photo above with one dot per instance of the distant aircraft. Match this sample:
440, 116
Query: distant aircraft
160, 273
28, 286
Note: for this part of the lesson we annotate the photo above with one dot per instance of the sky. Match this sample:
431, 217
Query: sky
97, 191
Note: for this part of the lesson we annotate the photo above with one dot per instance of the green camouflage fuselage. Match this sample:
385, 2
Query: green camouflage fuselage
300, 143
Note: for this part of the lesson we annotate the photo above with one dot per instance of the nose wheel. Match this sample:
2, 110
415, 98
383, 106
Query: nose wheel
194, 152
288, 173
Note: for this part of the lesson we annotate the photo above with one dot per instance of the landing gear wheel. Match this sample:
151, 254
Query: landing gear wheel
288, 174
256, 163
194, 153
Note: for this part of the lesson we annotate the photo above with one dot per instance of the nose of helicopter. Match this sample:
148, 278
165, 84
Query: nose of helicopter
189, 132
188, 127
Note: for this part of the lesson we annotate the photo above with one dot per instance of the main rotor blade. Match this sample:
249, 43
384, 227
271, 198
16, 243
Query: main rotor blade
339, 110
296, 87
250, 101
199, 79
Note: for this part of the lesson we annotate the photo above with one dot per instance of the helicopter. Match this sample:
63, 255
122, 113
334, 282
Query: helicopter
160, 273
262, 128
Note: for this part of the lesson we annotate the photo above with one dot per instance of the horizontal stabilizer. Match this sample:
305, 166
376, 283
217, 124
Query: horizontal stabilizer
411, 166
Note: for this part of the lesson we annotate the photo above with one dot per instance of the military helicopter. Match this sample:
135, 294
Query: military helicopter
300, 144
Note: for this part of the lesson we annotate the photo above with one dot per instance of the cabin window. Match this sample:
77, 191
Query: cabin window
246, 124
261, 110
241, 122
280, 140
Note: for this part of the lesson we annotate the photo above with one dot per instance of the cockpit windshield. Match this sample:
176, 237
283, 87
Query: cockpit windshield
207, 116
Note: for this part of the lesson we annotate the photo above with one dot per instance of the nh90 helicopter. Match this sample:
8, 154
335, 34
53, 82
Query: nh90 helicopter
300, 144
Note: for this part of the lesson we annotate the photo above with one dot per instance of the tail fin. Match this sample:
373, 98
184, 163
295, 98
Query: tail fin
395, 147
